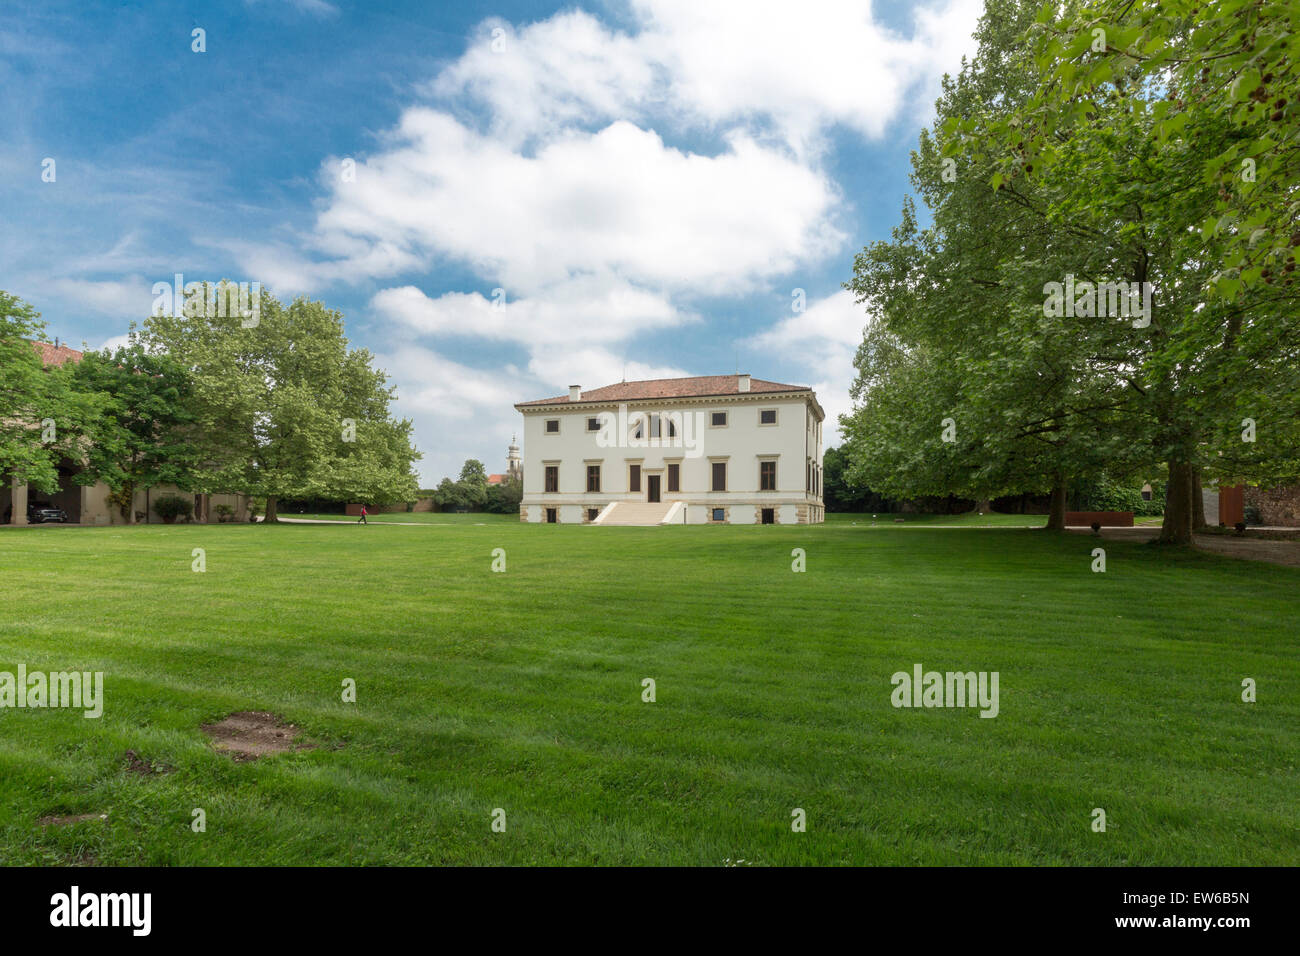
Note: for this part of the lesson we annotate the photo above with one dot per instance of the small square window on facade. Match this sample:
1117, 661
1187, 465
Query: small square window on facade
719, 514
592, 513
552, 426
718, 420
767, 416
593, 424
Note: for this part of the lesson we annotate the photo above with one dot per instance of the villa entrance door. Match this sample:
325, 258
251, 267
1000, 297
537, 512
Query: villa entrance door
652, 487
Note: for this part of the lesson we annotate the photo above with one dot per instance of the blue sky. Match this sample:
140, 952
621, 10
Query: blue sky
645, 182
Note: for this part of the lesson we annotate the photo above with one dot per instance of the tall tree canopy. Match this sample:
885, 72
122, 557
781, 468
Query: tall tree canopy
1070, 160
143, 433
39, 415
284, 408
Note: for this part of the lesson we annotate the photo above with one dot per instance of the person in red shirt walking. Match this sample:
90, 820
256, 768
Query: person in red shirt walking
363, 516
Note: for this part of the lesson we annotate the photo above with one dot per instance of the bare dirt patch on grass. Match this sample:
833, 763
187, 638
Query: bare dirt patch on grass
56, 820
144, 766
250, 734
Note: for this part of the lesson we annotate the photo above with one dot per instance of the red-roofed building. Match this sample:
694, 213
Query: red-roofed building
56, 354
89, 504
710, 449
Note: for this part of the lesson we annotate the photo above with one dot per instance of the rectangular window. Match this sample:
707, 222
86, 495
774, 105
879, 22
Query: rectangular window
552, 426
767, 476
767, 416
593, 424
656, 426
551, 516
718, 420
769, 516
592, 513
719, 476
552, 477
633, 477
719, 514
593, 477
674, 477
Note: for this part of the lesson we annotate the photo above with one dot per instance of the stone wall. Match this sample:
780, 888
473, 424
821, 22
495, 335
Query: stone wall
1277, 506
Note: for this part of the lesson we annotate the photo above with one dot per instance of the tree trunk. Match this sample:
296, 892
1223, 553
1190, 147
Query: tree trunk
1056, 513
1177, 526
984, 506
1198, 503
270, 517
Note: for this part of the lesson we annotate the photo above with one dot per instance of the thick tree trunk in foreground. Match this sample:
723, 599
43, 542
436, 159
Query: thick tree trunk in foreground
1198, 504
1177, 526
1056, 513
270, 516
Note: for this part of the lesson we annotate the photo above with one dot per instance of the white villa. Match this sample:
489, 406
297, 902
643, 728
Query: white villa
716, 449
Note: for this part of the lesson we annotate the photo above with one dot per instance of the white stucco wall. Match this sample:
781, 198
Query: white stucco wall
741, 444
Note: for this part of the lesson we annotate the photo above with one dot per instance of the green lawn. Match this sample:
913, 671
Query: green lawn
414, 517
970, 519
522, 691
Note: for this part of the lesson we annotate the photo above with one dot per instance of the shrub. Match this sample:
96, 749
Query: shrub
224, 513
1252, 515
1106, 494
171, 507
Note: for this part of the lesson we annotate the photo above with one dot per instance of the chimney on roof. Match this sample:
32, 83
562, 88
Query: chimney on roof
742, 382
575, 393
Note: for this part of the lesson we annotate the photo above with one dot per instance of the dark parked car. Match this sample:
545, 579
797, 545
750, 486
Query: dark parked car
38, 513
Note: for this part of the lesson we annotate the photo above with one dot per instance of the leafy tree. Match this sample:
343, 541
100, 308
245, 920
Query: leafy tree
142, 434
285, 408
839, 494
1128, 144
966, 384
450, 496
473, 482
29, 396
504, 499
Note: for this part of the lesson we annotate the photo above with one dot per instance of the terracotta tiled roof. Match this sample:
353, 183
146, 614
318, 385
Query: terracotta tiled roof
56, 354
496, 479
700, 386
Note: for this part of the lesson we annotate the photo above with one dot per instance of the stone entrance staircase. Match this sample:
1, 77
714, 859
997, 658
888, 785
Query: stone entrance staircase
627, 513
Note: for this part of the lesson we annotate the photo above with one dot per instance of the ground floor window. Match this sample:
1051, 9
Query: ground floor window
719, 514
592, 513
769, 516
551, 517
